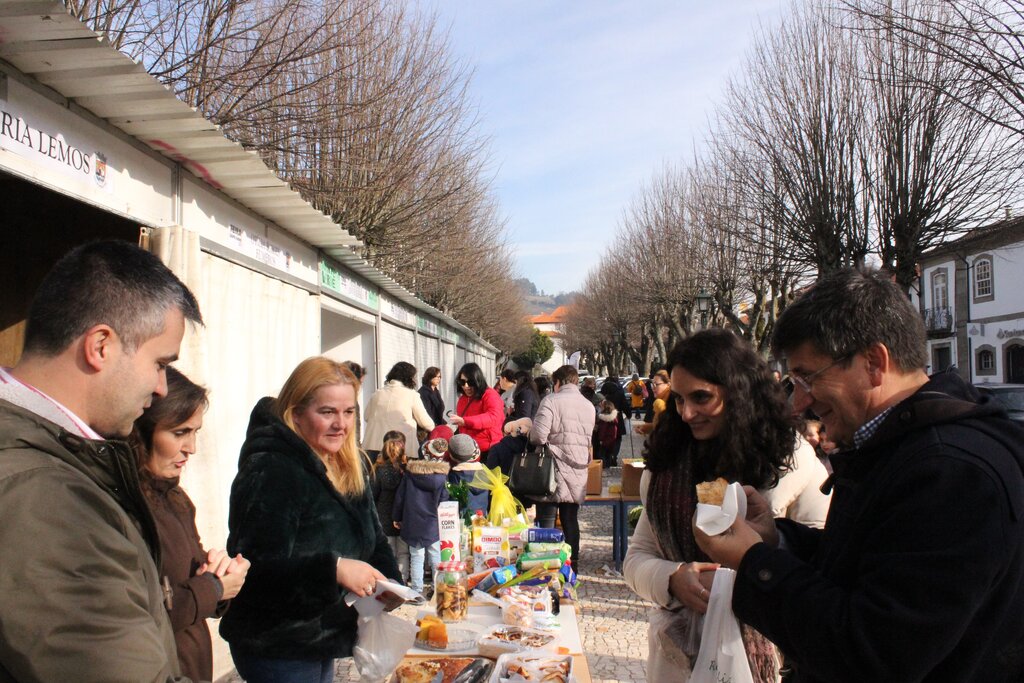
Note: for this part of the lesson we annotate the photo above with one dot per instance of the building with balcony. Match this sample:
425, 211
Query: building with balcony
971, 295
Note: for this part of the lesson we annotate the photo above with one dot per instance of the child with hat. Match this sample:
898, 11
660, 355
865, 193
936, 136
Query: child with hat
464, 456
415, 514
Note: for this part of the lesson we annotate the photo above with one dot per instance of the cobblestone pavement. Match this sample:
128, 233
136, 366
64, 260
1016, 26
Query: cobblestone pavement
612, 619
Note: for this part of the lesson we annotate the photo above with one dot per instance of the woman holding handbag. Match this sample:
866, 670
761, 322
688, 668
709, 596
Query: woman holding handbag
565, 422
479, 412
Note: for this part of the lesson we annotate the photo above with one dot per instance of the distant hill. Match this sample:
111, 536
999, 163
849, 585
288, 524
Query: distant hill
535, 305
536, 302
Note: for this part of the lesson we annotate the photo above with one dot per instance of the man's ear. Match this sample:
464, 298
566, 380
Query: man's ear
879, 362
98, 345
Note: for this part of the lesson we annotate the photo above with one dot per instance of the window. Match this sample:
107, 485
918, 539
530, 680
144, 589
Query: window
940, 293
983, 283
985, 361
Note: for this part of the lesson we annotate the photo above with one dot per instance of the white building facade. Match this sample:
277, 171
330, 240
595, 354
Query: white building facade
972, 298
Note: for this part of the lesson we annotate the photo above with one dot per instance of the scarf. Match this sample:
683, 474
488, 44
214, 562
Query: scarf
671, 503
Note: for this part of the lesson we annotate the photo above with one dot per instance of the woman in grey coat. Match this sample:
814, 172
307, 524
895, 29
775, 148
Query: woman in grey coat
565, 422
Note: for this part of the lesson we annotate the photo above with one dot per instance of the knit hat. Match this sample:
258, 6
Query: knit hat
463, 448
435, 449
440, 432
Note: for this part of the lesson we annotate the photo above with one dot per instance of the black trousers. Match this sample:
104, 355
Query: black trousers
569, 514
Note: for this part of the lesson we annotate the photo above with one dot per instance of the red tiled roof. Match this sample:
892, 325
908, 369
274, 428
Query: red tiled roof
555, 316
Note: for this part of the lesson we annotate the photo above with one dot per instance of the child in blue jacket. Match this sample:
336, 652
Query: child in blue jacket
415, 513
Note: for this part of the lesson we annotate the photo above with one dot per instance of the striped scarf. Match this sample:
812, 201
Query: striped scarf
671, 503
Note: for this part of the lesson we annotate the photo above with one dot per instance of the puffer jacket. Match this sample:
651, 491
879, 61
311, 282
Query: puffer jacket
80, 595
484, 417
919, 572
287, 518
565, 421
421, 491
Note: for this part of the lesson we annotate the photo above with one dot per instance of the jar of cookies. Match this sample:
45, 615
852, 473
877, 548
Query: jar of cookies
451, 591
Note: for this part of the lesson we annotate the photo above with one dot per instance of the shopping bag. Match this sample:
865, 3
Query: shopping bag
722, 656
533, 474
676, 635
383, 639
503, 504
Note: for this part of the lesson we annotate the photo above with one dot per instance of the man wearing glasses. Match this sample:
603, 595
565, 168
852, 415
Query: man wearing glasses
919, 572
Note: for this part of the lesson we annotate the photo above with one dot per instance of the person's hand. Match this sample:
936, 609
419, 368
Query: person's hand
217, 562
456, 420
357, 577
728, 547
234, 577
760, 517
690, 584
398, 525
507, 428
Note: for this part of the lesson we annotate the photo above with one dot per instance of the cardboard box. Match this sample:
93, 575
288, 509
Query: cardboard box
632, 469
594, 470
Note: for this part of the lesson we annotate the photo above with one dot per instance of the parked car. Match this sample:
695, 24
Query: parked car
1010, 395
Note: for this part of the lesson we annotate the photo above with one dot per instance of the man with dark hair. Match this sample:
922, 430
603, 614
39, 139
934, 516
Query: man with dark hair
919, 572
80, 594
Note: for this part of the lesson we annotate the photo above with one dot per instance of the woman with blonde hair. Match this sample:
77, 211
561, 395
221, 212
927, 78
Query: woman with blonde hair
302, 511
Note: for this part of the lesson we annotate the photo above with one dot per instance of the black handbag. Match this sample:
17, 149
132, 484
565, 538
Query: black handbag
533, 474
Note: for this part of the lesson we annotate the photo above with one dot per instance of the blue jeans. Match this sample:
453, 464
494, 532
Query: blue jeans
416, 563
267, 670
401, 550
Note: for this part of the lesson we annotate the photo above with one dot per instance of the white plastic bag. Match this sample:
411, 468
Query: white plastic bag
675, 636
383, 638
722, 657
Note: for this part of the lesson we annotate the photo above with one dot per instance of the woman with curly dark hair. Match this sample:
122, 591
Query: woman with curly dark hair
727, 417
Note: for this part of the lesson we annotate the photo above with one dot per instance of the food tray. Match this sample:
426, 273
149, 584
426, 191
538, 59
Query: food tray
501, 639
501, 674
459, 638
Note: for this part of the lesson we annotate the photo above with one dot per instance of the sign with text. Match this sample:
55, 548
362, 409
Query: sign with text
337, 281
57, 150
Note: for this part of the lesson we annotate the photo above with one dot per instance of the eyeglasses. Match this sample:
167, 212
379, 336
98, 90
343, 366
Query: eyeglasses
462, 381
806, 382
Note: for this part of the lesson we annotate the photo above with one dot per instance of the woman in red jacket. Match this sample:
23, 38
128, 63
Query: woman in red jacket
480, 412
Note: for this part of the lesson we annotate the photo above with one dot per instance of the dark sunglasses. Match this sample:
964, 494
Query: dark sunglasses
462, 381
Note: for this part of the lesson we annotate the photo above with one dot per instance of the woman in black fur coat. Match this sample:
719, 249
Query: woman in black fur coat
302, 510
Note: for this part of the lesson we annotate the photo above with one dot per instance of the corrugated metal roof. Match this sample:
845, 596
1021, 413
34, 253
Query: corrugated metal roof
40, 38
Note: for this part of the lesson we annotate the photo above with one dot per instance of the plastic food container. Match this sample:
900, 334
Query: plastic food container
500, 640
451, 591
531, 667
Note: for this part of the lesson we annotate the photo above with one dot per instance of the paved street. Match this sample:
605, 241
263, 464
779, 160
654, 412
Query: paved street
613, 621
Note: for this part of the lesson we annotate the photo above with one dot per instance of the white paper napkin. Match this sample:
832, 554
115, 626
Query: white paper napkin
373, 604
714, 519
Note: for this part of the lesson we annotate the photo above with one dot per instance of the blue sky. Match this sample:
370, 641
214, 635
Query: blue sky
585, 101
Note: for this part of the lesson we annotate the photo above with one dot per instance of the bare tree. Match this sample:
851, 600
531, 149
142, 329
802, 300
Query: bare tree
795, 120
749, 271
358, 104
936, 166
985, 38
